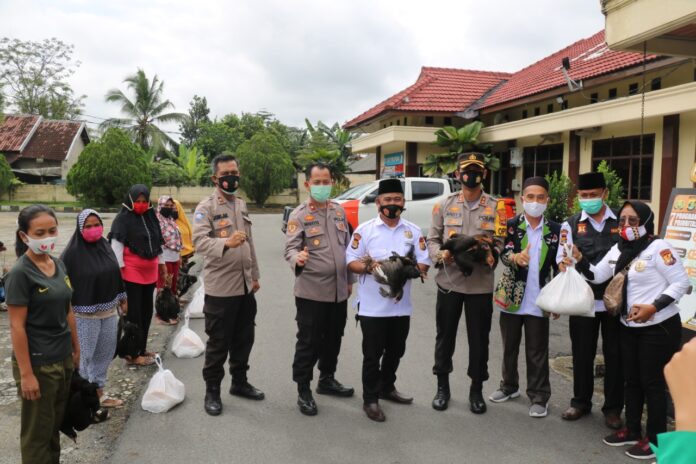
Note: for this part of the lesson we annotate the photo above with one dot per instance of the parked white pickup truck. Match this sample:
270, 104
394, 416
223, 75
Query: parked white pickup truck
422, 193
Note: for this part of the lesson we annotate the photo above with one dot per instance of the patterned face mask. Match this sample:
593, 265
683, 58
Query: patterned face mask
630, 234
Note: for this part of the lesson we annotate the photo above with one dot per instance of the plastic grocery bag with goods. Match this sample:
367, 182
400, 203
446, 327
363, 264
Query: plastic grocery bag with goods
164, 390
187, 343
195, 307
568, 293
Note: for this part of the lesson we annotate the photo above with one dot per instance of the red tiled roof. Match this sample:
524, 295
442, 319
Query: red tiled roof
14, 130
437, 90
589, 57
53, 139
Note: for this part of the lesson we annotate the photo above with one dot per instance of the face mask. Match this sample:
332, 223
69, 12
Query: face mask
320, 193
228, 184
140, 208
169, 213
41, 246
591, 206
630, 234
93, 234
391, 211
534, 209
472, 179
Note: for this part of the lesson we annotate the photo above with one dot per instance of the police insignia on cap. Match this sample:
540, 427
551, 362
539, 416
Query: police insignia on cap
472, 157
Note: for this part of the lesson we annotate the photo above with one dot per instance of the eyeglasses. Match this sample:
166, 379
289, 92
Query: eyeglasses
632, 221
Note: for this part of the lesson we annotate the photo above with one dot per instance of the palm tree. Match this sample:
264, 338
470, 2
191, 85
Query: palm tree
144, 112
457, 141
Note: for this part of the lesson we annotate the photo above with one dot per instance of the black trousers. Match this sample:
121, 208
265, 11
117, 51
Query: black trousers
320, 328
536, 350
584, 332
644, 353
384, 343
229, 324
140, 308
478, 312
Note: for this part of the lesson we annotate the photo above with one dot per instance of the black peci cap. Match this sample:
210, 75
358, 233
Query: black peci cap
390, 186
591, 180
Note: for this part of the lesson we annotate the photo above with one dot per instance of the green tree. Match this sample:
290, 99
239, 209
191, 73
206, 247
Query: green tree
615, 197
197, 116
265, 167
333, 159
144, 111
457, 141
107, 168
560, 188
7, 177
217, 137
35, 75
167, 173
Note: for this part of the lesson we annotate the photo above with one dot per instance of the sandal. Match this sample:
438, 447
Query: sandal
141, 361
108, 402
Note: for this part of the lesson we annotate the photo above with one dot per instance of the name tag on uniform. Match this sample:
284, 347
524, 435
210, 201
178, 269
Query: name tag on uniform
220, 216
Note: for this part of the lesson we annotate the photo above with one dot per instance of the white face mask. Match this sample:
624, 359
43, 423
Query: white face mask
534, 209
41, 246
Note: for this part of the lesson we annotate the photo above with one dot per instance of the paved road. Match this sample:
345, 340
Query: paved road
274, 431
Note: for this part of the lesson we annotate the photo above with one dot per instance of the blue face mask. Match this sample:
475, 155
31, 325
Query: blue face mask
320, 193
591, 206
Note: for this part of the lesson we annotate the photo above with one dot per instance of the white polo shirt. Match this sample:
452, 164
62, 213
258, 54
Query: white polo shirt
657, 270
378, 240
598, 226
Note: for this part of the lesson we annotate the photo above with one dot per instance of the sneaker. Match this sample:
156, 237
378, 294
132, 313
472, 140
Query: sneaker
641, 450
499, 396
538, 410
621, 438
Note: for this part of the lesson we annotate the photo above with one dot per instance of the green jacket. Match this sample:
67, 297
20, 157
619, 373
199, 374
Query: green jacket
675, 448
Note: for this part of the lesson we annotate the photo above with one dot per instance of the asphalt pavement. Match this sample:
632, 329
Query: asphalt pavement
273, 430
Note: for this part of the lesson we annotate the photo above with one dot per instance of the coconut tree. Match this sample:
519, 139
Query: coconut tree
144, 111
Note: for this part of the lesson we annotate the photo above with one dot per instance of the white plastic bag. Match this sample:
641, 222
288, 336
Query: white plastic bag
195, 307
164, 390
568, 294
187, 343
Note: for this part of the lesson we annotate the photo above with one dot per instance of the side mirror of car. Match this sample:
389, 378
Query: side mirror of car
370, 198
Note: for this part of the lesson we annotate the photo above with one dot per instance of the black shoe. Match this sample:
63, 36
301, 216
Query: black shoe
330, 386
246, 390
477, 405
442, 397
212, 402
306, 403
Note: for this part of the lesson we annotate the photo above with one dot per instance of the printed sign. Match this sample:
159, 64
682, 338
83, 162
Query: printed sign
679, 229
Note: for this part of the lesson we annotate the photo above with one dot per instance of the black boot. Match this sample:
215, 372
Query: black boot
212, 402
476, 403
441, 400
328, 385
246, 390
305, 400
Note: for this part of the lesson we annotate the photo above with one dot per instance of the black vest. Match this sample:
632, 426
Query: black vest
594, 245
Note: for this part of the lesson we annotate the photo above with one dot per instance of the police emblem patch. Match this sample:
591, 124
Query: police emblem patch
408, 234
356, 241
667, 257
421, 243
292, 226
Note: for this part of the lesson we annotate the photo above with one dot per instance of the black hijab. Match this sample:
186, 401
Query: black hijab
140, 233
92, 267
631, 249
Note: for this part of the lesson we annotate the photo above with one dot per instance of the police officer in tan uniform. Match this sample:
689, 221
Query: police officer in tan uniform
317, 236
222, 234
469, 212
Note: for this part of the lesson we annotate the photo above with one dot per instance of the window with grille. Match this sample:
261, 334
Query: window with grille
542, 160
623, 155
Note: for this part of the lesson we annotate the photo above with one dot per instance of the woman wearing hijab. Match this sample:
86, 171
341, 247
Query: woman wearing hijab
167, 216
136, 240
651, 326
98, 293
186, 233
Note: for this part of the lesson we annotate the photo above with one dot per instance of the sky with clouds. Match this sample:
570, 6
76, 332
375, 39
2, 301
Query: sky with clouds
325, 60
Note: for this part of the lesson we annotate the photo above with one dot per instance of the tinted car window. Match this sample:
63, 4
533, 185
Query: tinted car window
425, 190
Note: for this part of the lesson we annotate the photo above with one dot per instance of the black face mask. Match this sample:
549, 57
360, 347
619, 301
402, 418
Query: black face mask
471, 179
391, 211
169, 213
228, 184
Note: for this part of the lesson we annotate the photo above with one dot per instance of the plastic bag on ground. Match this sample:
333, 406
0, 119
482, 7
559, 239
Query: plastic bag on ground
164, 390
568, 294
195, 307
187, 343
